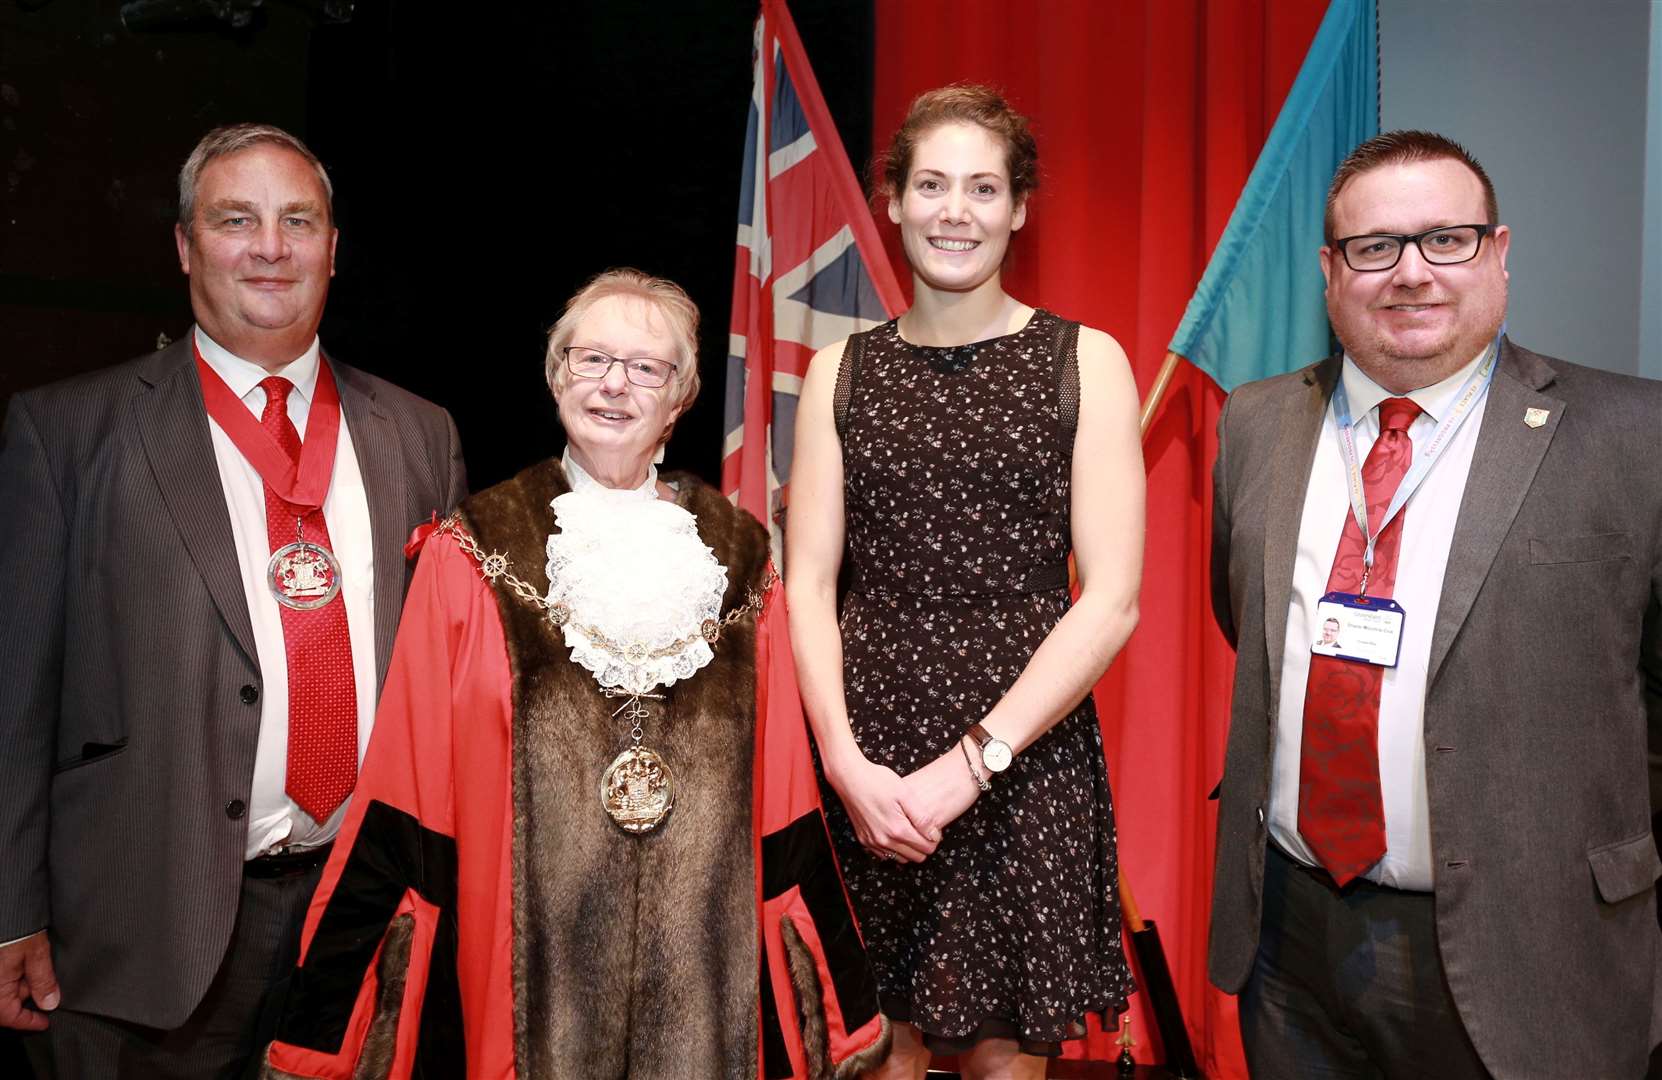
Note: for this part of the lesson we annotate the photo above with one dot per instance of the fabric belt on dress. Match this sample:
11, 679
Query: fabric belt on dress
1040, 579
287, 863
1326, 880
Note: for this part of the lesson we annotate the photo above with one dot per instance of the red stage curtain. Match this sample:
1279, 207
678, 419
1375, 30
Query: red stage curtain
1149, 115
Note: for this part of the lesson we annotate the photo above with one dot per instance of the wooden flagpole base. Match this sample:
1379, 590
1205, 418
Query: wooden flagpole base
1157, 392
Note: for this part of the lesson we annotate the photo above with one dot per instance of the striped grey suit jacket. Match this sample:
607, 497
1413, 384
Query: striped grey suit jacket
129, 703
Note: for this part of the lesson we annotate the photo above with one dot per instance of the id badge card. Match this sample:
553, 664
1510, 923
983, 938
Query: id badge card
1363, 628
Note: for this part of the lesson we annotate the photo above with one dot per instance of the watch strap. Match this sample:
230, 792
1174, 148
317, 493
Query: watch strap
980, 781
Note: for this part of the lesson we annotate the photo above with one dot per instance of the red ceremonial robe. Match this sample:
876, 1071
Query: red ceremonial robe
429, 949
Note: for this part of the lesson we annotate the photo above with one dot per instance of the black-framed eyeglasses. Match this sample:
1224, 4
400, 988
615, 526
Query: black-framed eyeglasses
1442, 246
644, 371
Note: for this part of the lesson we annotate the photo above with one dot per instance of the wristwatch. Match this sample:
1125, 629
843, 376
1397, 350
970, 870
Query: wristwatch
995, 752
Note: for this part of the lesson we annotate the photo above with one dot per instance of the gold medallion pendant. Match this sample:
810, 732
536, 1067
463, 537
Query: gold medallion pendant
637, 790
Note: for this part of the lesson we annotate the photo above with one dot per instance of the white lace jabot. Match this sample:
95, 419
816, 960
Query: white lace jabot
637, 581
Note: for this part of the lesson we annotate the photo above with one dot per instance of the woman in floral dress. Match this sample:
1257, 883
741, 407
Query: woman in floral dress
958, 455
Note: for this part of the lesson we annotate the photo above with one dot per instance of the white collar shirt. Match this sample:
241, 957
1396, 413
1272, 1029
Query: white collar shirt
274, 821
1427, 532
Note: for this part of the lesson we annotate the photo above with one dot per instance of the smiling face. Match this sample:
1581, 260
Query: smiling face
956, 212
613, 426
260, 253
1416, 323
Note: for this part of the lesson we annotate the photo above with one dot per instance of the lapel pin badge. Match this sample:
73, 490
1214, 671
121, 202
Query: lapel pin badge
1535, 417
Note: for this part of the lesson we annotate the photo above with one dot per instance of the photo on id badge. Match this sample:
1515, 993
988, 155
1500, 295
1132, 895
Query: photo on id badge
1363, 628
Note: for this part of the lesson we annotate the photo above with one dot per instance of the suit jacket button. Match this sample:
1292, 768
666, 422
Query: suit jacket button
250, 694
235, 809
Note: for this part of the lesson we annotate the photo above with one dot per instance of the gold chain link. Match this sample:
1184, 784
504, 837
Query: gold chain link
495, 564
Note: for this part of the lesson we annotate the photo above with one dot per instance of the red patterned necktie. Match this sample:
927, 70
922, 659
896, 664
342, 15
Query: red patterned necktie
323, 699
1341, 813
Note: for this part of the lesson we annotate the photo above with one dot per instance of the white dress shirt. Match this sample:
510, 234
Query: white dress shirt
273, 818
1427, 531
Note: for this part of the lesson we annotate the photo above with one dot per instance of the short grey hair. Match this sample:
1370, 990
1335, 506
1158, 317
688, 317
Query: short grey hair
671, 301
231, 139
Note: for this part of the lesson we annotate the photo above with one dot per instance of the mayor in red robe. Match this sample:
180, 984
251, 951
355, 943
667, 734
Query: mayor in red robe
586, 840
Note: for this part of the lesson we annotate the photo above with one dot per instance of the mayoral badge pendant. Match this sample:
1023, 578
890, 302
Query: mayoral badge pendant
637, 790
303, 576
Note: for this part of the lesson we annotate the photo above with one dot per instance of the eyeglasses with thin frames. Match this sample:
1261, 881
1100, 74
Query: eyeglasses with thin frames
1446, 245
644, 371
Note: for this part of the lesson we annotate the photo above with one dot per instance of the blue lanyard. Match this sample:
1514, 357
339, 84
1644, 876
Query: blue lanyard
1475, 387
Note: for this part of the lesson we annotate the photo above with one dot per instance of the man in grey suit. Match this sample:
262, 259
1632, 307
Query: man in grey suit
201, 582
1436, 860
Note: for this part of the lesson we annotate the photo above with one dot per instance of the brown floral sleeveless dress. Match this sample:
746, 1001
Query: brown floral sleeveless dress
957, 472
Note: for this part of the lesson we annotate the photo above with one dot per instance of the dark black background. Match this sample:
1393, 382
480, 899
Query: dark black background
487, 158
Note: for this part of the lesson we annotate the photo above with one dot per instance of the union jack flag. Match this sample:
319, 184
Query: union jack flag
810, 268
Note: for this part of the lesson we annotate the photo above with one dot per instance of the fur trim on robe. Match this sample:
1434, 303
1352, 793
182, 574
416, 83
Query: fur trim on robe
633, 952
587, 951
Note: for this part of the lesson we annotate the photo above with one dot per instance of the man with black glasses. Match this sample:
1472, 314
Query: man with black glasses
1434, 851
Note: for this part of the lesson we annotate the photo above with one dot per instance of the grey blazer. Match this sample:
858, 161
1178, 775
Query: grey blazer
129, 703
1545, 675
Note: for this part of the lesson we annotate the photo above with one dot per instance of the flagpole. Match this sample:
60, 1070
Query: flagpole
1157, 392
1144, 936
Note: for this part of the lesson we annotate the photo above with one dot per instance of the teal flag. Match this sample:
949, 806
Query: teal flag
1258, 310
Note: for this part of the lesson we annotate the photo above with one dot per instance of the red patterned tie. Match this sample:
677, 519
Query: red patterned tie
1340, 811
323, 699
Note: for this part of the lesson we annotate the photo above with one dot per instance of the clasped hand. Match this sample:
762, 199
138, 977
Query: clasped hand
903, 817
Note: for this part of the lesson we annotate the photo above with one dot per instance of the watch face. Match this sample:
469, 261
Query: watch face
995, 754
